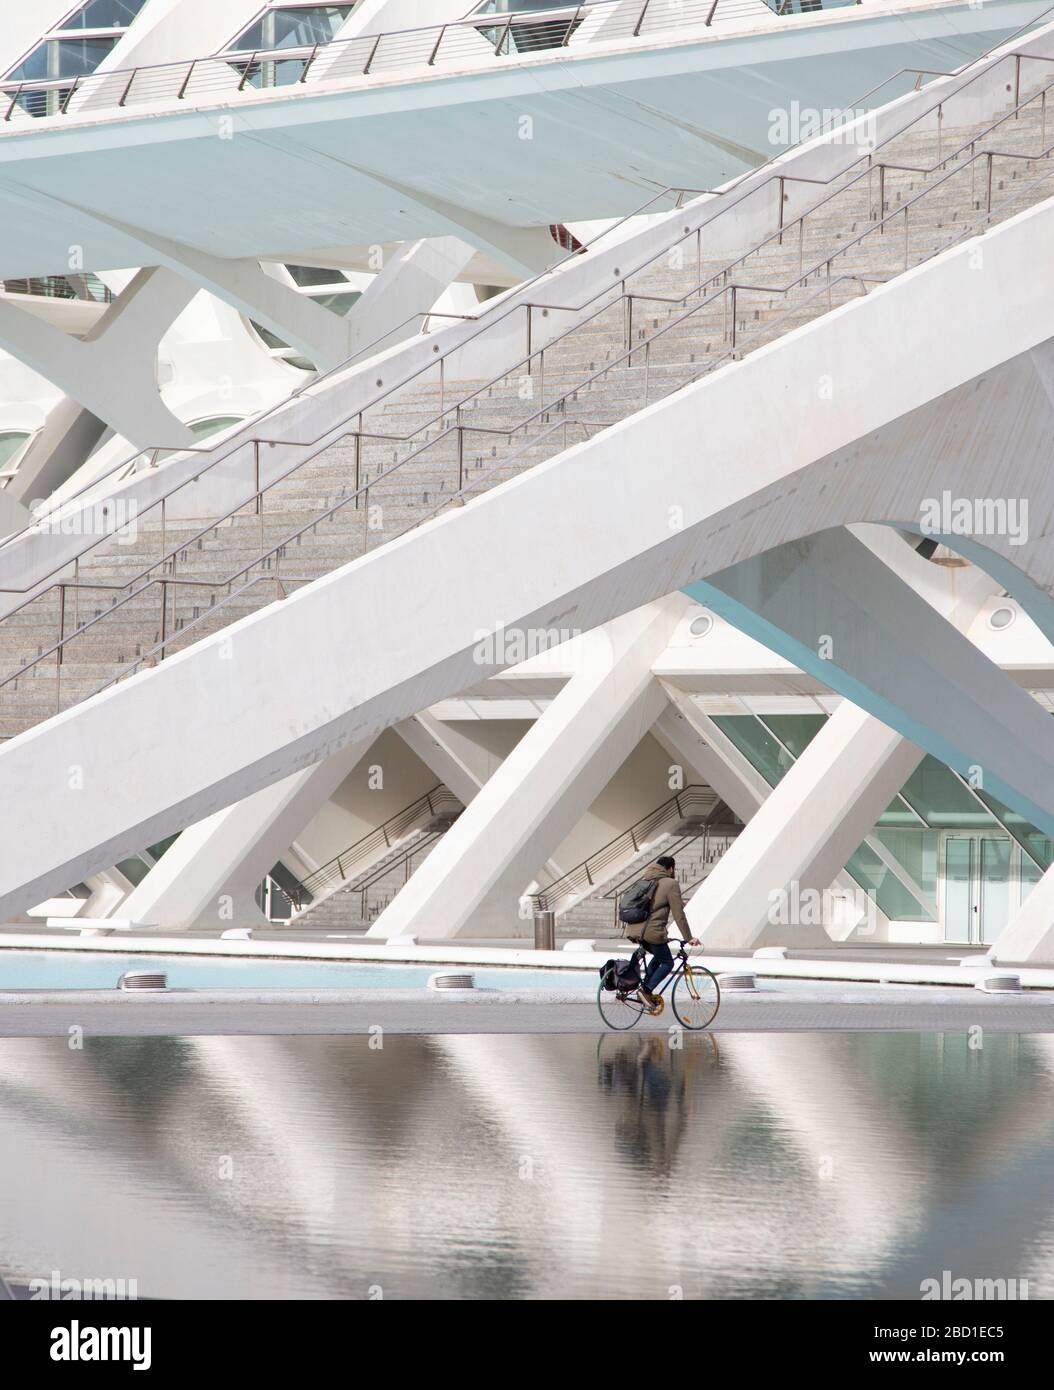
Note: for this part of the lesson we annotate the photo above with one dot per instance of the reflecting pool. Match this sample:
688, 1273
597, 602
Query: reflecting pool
757, 1166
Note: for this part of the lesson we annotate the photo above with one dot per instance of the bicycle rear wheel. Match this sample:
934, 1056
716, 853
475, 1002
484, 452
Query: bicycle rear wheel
696, 997
619, 1011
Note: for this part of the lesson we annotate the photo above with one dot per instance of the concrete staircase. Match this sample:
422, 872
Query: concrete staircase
585, 383
360, 902
595, 916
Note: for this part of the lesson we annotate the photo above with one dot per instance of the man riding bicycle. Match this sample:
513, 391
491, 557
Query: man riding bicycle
654, 935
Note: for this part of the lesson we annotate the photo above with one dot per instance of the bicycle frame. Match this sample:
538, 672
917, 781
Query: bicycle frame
681, 966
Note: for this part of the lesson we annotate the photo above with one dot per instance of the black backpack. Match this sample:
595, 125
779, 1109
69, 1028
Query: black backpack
620, 975
634, 906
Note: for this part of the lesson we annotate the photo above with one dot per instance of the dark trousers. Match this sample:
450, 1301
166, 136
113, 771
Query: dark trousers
660, 967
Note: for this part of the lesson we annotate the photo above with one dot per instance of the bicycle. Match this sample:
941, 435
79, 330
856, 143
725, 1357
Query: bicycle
695, 996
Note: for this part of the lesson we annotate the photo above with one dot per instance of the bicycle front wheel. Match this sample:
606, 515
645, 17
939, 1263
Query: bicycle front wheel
620, 1011
696, 997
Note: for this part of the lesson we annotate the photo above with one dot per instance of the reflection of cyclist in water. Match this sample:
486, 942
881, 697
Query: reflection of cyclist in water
654, 935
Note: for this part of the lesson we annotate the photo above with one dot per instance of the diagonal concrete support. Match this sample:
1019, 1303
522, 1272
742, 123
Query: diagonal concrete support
459, 764
472, 882
802, 835
690, 735
828, 802
832, 607
111, 371
712, 757
215, 866
1029, 937
394, 304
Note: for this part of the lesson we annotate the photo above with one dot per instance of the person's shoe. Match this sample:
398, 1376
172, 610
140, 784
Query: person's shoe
650, 1001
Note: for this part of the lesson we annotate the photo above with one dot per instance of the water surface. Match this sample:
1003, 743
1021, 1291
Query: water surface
762, 1166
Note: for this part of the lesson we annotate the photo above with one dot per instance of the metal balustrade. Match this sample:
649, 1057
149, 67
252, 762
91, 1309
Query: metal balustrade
451, 421
467, 42
695, 802
438, 804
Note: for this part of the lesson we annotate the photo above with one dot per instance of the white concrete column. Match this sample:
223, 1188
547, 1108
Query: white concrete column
112, 370
209, 875
459, 764
472, 882
803, 833
830, 800
687, 736
1028, 938
690, 734
414, 276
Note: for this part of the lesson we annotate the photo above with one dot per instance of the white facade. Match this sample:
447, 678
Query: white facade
507, 568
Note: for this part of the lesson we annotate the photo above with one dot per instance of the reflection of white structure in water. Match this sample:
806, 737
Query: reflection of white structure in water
496, 1166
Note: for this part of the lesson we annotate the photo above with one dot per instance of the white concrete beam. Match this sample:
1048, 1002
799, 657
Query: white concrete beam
460, 764
1028, 938
472, 882
687, 735
211, 872
973, 416
112, 370
828, 604
806, 829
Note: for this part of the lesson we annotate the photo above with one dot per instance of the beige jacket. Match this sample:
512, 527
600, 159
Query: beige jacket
667, 903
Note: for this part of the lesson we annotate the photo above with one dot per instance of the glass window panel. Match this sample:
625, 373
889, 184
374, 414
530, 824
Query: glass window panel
797, 731
995, 887
341, 303
942, 800
916, 850
518, 6
134, 870
1023, 831
1029, 873
309, 275
756, 744
104, 14
891, 895
293, 28
201, 429
11, 442
162, 846
63, 58
897, 814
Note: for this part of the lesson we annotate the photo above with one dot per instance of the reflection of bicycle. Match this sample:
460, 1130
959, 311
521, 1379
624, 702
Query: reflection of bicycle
694, 994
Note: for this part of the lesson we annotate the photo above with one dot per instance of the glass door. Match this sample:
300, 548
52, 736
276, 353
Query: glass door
976, 882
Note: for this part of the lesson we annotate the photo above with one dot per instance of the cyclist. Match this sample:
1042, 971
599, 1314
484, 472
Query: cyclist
654, 936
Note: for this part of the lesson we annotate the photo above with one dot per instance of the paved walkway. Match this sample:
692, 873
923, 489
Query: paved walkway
104, 1013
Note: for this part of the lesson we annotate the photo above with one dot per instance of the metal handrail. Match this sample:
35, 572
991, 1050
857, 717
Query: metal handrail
536, 22
724, 829
276, 551
344, 866
547, 408
487, 321
681, 806
389, 866
533, 441
484, 319
57, 648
